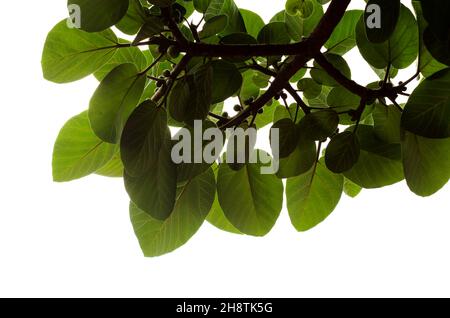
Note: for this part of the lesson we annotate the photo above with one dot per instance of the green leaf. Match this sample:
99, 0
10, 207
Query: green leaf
251, 201
217, 218
342, 152
133, 19
351, 189
426, 163
427, 112
266, 117
439, 49
248, 88
99, 15
113, 168
151, 27
201, 5
379, 163
189, 149
343, 38
274, 33
387, 123
381, 24
71, 54
226, 80
319, 125
299, 26
436, 13
228, 8
114, 100
299, 161
282, 112
287, 136
194, 201
154, 190
132, 55
322, 77
312, 196
78, 152
191, 97
342, 100
310, 88
427, 63
214, 26
400, 50
143, 136
253, 22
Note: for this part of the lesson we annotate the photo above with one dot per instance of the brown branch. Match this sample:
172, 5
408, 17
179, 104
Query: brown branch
310, 47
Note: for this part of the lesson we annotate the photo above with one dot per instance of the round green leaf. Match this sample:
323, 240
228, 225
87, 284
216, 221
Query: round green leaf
310, 88
143, 136
154, 190
251, 201
342, 152
71, 54
226, 80
191, 97
214, 26
98, 15
381, 18
322, 77
299, 161
426, 163
193, 204
78, 152
387, 123
343, 38
114, 100
379, 163
274, 33
319, 125
427, 112
400, 50
288, 136
312, 196
253, 22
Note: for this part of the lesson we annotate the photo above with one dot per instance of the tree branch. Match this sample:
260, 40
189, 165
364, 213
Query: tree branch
311, 46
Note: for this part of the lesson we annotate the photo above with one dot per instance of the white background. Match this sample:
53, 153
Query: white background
75, 239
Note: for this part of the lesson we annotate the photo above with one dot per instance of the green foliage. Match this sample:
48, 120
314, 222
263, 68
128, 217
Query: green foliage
226, 67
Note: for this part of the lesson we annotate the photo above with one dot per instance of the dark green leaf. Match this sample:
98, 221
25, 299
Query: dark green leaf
114, 100
226, 80
214, 26
319, 125
379, 163
342, 152
427, 112
143, 136
426, 163
191, 97
381, 17
322, 77
99, 15
251, 201
287, 136
400, 50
